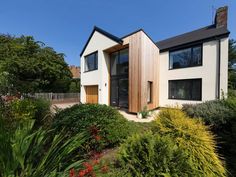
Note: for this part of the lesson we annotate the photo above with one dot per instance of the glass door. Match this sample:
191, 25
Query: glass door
119, 79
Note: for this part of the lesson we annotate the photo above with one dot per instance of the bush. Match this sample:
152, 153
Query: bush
221, 116
103, 122
19, 110
153, 155
179, 146
215, 113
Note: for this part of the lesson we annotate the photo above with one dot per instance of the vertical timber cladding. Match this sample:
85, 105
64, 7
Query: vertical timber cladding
143, 67
91, 94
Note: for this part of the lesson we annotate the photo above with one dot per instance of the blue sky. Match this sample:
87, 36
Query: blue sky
66, 25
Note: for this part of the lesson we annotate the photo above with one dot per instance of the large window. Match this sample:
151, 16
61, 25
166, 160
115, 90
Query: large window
188, 89
187, 57
120, 62
91, 62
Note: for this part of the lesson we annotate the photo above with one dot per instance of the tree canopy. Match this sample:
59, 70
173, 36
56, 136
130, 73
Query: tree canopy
28, 66
232, 64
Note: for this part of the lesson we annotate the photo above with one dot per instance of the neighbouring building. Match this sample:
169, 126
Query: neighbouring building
134, 71
75, 70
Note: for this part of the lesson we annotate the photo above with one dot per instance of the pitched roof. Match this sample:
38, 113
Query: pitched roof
206, 33
111, 36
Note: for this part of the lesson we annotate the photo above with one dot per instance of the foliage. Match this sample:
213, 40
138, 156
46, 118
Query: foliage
33, 66
19, 110
177, 146
153, 155
232, 62
75, 86
221, 116
95, 119
144, 112
31, 153
215, 113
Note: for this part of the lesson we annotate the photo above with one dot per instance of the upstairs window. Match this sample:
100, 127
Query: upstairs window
187, 57
91, 62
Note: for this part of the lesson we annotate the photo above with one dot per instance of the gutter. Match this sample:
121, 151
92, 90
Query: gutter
219, 62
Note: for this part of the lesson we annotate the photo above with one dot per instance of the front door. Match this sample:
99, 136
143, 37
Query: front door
119, 92
91, 94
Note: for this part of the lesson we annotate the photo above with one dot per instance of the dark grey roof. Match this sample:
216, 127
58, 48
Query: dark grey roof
202, 34
111, 36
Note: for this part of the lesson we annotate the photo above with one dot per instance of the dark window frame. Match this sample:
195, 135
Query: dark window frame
187, 47
193, 79
151, 90
96, 61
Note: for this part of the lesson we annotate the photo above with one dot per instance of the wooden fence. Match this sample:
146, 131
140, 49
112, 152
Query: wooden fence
58, 97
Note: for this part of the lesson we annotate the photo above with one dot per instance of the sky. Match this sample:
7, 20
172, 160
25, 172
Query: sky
65, 25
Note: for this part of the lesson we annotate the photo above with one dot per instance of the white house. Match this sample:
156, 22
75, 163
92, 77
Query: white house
134, 71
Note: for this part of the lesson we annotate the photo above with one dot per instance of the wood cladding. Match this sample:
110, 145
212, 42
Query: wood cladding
91, 94
143, 67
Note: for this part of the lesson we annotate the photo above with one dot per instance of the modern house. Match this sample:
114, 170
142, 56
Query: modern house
134, 71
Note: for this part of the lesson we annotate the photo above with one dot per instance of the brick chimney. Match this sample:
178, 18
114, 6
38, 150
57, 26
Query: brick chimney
221, 17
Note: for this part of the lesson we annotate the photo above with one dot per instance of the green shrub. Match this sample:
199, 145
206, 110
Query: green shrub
102, 120
215, 113
177, 146
43, 114
221, 116
194, 138
153, 155
19, 110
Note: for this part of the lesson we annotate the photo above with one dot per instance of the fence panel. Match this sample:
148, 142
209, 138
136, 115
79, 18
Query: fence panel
59, 97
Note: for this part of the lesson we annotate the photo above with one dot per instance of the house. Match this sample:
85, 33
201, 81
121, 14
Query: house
75, 70
134, 71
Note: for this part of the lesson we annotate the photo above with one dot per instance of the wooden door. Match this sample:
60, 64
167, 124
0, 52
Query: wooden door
92, 94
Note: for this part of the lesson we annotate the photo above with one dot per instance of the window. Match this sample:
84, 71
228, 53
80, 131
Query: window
187, 57
91, 62
120, 62
188, 89
149, 92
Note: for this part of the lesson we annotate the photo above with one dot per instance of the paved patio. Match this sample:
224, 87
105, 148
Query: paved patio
130, 117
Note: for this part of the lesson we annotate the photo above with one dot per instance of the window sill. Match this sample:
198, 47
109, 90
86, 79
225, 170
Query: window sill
182, 99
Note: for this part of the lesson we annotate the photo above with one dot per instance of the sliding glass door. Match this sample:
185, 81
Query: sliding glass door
119, 78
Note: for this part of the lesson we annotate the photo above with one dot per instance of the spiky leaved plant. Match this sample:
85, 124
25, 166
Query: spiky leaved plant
196, 140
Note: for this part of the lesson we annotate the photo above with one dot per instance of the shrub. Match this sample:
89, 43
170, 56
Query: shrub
221, 116
100, 120
194, 138
153, 155
19, 110
215, 113
177, 146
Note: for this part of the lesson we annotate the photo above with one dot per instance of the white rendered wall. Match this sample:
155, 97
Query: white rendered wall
208, 73
99, 77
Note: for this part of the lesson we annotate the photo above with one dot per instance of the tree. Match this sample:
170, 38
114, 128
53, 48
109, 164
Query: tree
34, 66
232, 64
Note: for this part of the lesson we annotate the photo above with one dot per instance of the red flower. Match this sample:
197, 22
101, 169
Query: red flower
82, 173
72, 172
97, 137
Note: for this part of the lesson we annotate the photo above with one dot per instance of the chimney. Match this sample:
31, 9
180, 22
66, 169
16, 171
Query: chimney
221, 17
